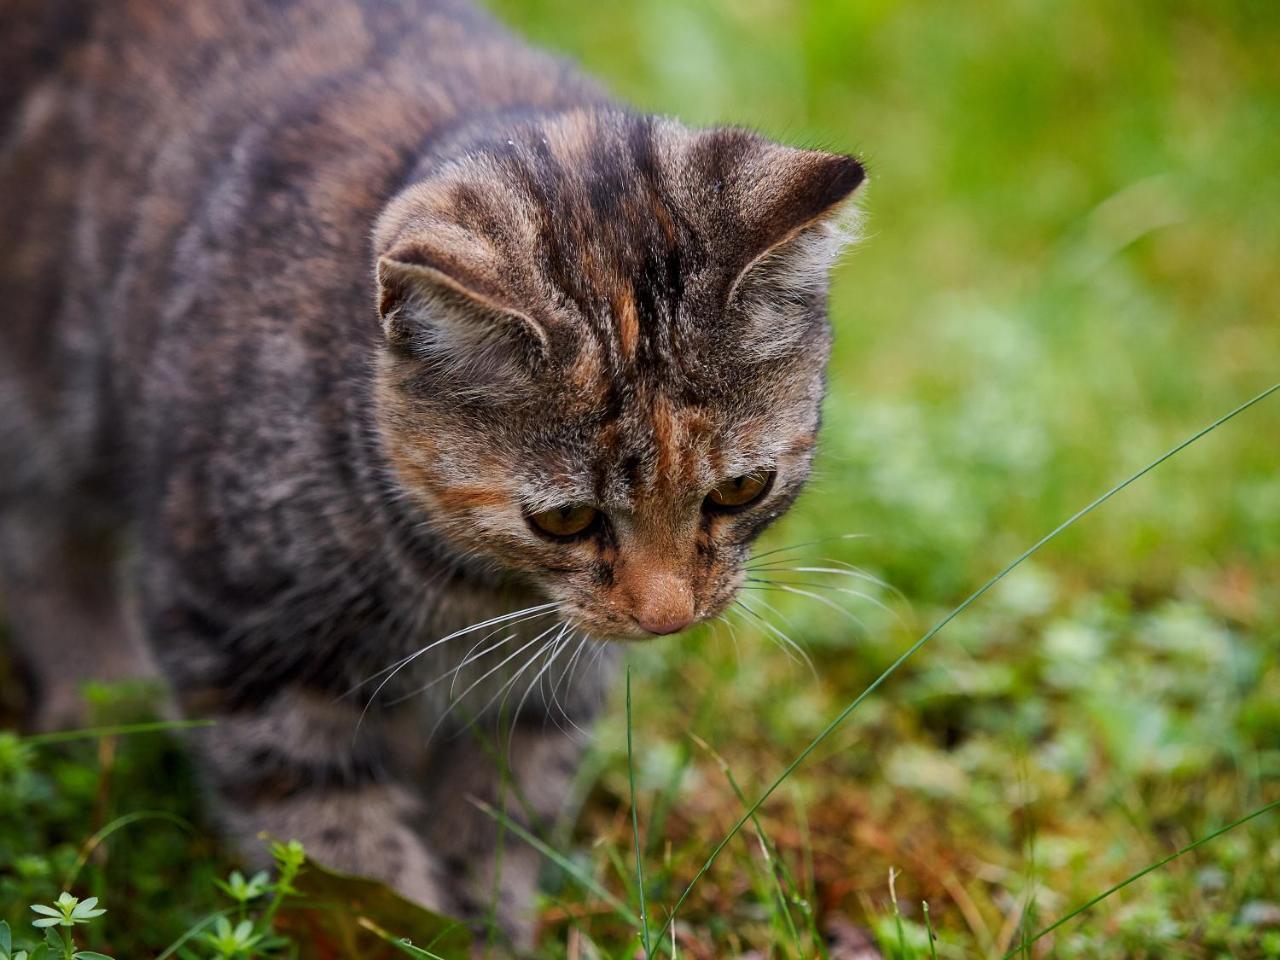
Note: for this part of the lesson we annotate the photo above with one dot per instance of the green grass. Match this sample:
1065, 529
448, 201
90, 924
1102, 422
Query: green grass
1071, 265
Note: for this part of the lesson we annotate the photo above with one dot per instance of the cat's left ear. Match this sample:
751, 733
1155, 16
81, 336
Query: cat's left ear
755, 197
444, 303
796, 211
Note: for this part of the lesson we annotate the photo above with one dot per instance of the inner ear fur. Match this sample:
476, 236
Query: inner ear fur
440, 309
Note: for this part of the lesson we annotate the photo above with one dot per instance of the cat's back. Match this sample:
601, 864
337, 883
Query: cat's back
206, 172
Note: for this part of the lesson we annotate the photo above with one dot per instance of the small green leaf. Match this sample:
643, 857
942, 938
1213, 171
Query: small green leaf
6, 938
84, 909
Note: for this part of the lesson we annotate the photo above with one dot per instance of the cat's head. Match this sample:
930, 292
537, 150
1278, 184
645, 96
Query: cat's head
605, 352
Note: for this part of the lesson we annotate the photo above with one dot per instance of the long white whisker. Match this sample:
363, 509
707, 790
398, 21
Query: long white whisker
566, 679
505, 690
756, 618
551, 697
853, 572
399, 664
856, 594
782, 636
810, 543
471, 657
486, 675
788, 588
733, 637
540, 681
518, 616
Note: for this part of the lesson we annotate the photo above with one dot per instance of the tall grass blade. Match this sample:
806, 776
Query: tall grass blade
779, 874
95, 841
933, 631
561, 861
897, 915
192, 930
635, 830
120, 730
1274, 804
928, 926
404, 946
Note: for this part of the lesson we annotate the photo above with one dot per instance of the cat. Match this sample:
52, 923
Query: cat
374, 376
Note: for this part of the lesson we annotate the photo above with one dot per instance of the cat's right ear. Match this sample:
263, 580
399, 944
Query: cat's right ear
441, 310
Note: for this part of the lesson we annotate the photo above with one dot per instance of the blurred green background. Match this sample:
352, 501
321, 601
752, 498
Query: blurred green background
1071, 262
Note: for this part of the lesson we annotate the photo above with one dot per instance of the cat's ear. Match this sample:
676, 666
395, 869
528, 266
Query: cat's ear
797, 212
443, 305
757, 198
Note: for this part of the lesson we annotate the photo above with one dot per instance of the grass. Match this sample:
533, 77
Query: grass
1074, 222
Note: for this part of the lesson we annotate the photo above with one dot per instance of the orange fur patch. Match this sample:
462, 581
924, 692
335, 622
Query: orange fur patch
628, 321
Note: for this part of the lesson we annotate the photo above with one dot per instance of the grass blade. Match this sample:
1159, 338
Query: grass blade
402, 945
560, 860
635, 830
121, 730
777, 867
933, 631
92, 844
192, 930
928, 926
1274, 804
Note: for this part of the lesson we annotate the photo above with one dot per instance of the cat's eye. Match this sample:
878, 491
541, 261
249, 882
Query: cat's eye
738, 492
566, 522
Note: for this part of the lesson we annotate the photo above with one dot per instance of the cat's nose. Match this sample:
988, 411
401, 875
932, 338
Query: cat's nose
665, 605
663, 624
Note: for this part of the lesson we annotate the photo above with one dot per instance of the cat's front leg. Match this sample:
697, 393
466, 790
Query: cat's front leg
525, 774
294, 767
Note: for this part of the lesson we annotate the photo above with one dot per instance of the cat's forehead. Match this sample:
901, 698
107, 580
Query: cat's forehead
588, 211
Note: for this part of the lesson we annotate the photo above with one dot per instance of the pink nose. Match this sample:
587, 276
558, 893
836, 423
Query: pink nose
661, 601
663, 623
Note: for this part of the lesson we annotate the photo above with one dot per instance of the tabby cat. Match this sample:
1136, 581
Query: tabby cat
375, 377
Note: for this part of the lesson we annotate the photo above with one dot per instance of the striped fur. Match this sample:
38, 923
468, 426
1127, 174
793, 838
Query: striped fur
308, 307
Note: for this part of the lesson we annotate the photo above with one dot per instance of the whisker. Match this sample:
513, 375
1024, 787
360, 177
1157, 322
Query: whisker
780, 635
456, 672
853, 572
733, 637
596, 657
776, 612
471, 658
507, 687
810, 543
488, 673
534, 611
518, 616
847, 591
553, 655
566, 678
787, 588
768, 633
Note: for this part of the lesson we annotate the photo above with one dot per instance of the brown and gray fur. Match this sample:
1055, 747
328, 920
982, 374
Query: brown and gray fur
306, 305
